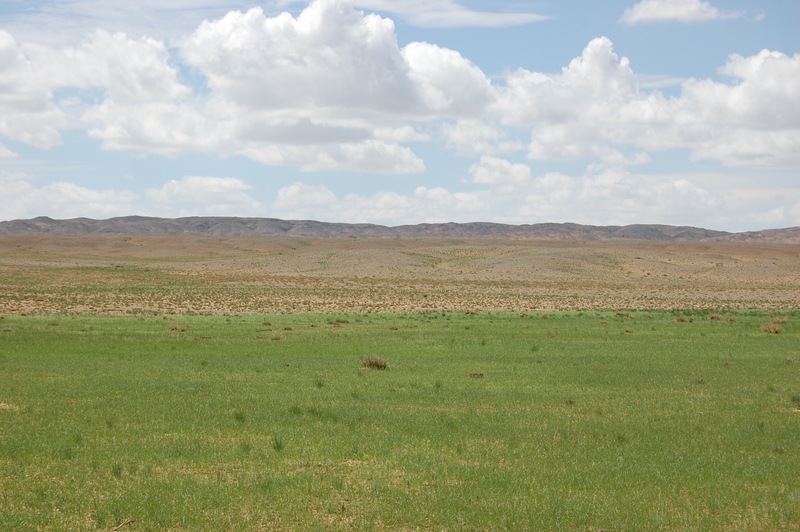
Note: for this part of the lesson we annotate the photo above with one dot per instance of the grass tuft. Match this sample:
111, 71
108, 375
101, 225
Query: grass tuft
375, 362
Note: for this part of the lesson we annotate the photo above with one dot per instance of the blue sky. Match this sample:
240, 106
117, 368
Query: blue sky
682, 112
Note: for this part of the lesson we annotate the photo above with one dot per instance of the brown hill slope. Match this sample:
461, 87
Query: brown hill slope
271, 227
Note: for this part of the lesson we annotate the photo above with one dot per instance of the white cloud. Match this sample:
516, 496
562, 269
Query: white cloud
472, 138
329, 58
648, 11
400, 134
305, 198
204, 195
60, 200
449, 84
447, 14
594, 109
65, 21
135, 71
301, 201
371, 156
612, 195
326, 90
5, 153
27, 112
492, 170
764, 94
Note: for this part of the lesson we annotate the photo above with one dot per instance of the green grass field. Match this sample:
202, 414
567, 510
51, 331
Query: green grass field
489, 421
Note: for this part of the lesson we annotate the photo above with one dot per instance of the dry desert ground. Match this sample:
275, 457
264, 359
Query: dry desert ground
217, 275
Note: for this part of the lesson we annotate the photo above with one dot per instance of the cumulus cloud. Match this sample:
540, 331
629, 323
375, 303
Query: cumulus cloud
493, 170
127, 70
472, 138
594, 109
648, 11
60, 200
27, 112
206, 195
328, 89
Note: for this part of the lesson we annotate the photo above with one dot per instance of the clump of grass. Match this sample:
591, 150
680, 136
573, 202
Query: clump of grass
239, 416
65, 452
319, 383
278, 444
116, 469
772, 328
375, 362
715, 317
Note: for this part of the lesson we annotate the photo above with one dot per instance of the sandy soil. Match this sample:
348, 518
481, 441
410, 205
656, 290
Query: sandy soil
119, 275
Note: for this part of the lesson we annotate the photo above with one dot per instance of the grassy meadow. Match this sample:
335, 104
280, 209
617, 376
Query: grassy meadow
596, 420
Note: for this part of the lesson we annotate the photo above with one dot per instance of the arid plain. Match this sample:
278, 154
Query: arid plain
217, 275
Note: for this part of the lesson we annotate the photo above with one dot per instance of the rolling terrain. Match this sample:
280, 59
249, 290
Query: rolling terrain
270, 227
101, 274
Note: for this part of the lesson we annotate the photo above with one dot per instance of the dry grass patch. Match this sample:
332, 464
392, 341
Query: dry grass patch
375, 362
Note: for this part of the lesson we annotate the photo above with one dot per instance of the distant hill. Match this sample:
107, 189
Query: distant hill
263, 227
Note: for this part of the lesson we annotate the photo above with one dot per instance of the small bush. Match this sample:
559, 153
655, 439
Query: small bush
374, 361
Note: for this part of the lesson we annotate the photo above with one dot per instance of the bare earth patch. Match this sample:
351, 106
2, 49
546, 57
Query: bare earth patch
217, 275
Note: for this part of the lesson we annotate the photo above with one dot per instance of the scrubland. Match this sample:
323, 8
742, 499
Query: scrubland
128, 275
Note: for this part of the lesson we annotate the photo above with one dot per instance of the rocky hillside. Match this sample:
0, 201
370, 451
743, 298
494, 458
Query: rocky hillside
260, 227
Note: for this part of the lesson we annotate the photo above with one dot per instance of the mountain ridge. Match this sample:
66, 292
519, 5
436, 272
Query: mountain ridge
274, 227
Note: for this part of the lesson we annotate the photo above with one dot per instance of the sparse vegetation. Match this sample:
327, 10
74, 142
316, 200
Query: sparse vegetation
176, 276
375, 362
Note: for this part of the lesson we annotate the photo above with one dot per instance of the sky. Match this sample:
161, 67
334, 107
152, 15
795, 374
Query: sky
679, 112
